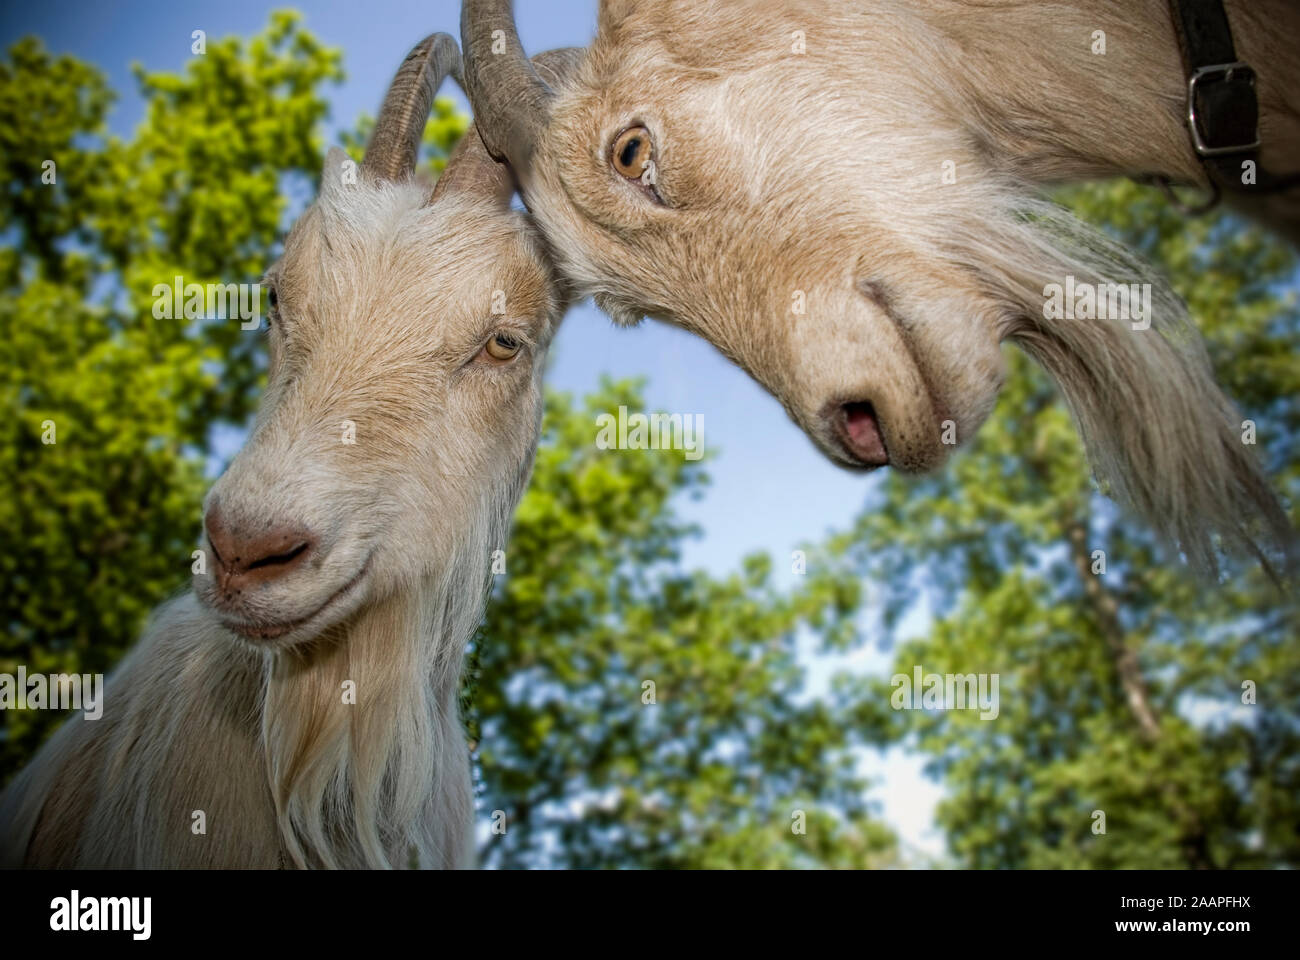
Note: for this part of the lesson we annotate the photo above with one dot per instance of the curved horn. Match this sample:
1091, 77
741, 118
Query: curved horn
471, 169
511, 102
395, 143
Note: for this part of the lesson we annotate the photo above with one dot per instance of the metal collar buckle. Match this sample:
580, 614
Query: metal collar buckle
1243, 72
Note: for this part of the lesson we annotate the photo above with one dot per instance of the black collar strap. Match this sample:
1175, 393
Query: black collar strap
1222, 107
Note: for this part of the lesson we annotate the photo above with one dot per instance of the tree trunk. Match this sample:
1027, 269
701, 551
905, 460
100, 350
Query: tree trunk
1106, 612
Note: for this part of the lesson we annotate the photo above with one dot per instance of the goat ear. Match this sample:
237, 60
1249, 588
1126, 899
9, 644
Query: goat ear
339, 173
623, 314
471, 171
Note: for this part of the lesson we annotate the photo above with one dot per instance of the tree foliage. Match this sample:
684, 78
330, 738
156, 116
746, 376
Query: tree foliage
98, 527
632, 713
1121, 691
625, 711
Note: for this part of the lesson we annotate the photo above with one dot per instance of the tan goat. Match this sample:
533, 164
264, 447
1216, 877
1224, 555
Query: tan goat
841, 195
304, 695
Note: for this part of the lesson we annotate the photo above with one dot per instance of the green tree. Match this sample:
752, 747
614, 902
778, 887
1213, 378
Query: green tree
1120, 692
633, 714
97, 527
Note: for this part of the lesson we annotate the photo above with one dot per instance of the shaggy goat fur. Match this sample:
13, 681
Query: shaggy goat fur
843, 198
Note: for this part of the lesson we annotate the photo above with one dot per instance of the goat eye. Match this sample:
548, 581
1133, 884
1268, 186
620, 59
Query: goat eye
632, 152
502, 347
272, 306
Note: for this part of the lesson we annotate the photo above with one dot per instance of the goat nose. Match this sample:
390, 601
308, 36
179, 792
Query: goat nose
244, 558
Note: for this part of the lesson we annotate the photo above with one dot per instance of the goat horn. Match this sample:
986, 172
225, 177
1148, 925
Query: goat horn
511, 102
471, 169
395, 143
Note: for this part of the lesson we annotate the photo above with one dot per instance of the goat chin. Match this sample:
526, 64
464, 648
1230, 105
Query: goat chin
1161, 436
285, 771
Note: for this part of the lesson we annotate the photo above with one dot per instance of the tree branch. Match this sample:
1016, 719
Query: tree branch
1105, 611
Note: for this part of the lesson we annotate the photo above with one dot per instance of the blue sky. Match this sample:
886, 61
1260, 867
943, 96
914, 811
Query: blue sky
771, 489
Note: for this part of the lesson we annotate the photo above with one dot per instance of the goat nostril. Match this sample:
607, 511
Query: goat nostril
858, 411
280, 559
272, 552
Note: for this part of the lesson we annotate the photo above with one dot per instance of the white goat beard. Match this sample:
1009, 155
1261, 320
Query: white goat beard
1162, 438
383, 783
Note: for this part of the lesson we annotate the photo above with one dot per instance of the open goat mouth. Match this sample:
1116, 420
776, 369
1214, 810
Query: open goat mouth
857, 429
265, 629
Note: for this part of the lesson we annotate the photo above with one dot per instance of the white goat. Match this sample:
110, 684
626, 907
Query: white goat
303, 697
841, 196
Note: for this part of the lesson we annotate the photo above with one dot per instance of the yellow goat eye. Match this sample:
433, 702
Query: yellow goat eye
632, 152
502, 347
